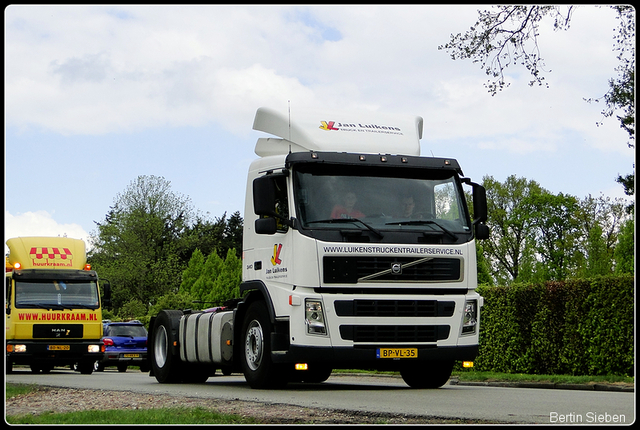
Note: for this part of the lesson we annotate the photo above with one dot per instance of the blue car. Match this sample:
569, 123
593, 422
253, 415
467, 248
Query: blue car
125, 345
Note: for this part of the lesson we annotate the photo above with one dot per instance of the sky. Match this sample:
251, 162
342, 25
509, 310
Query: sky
96, 96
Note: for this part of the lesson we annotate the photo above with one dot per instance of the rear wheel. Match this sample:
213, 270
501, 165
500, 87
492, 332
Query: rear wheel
257, 366
167, 367
430, 374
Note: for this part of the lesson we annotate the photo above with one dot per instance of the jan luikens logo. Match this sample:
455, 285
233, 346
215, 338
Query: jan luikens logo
51, 257
372, 128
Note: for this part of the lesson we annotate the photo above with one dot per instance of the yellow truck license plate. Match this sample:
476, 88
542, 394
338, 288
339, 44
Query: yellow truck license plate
397, 353
131, 355
58, 348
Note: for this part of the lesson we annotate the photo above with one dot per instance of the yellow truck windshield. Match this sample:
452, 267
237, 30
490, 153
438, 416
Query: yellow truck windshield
56, 294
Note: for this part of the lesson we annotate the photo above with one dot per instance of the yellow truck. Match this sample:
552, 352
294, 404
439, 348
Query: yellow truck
53, 305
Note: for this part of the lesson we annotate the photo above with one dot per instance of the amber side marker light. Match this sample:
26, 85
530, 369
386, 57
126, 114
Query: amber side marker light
467, 364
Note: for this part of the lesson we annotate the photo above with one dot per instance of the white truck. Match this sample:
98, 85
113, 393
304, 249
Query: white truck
358, 253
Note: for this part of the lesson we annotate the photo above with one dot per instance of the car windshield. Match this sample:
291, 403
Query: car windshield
57, 294
126, 331
340, 199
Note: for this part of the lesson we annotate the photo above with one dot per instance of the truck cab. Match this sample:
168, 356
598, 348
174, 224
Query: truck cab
358, 253
53, 305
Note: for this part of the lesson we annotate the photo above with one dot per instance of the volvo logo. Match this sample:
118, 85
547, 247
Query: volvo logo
396, 268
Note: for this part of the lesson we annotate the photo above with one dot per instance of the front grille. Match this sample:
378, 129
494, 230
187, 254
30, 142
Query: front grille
394, 308
353, 270
394, 333
58, 331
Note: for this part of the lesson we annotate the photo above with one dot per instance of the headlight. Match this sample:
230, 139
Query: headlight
314, 317
17, 348
470, 320
93, 348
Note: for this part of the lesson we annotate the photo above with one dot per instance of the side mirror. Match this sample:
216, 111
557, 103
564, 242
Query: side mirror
264, 196
479, 204
106, 297
266, 226
482, 231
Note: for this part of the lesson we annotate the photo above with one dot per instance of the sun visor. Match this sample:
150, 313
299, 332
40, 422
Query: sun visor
363, 132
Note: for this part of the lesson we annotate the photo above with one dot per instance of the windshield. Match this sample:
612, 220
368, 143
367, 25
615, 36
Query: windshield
425, 201
126, 331
56, 294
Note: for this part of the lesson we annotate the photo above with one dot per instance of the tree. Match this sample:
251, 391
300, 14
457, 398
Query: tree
624, 255
507, 35
557, 233
219, 235
214, 280
600, 220
512, 225
138, 244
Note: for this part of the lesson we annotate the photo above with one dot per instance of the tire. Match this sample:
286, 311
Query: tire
259, 370
316, 374
196, 373
122, 368
429, 374
98, 367
85, 367
167, 367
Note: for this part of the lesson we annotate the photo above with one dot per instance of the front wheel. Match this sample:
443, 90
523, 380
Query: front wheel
429, 374
257, 366
85, 367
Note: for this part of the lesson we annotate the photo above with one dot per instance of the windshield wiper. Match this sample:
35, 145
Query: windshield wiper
344, 220
78, 306
49, 307
423, 222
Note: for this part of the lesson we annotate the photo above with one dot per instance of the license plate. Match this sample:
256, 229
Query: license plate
58, 348
132, 356
397, 353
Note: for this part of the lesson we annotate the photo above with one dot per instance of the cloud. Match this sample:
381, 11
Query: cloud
39, 223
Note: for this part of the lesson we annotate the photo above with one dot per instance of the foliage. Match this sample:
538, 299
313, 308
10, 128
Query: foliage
578, 327
180, 300
500, 38
538, 236
148, 237
508, 35
177, 415
625, 249
214, 280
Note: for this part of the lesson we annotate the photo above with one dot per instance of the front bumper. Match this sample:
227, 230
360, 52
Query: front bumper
366, 357
53, 353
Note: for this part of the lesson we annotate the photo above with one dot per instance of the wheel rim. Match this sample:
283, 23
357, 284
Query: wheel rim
160, 346
254, 345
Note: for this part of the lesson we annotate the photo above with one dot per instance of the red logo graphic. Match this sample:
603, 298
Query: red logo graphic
275, 260
50, 253
328, 125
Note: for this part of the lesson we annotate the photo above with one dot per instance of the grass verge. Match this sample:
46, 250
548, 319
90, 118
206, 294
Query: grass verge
474, 376
195, 415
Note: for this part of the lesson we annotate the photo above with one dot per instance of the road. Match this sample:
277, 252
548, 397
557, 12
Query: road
375, 394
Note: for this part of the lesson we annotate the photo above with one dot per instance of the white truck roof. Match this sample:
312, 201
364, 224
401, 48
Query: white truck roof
358, 132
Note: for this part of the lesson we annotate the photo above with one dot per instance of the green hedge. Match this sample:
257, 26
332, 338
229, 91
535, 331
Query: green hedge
576, 327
